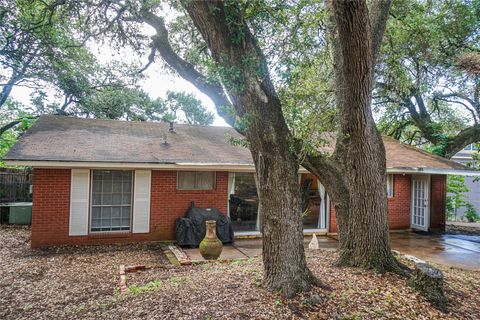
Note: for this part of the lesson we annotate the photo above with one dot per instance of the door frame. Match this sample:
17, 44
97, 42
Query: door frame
428, 179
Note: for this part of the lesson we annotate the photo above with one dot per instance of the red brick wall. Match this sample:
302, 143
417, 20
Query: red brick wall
333, 219
51, 208
438, 200
168, 203
50, 205
398, 205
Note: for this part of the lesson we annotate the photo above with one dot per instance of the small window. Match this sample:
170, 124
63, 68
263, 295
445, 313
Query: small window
195, 180
390, 185
111, 200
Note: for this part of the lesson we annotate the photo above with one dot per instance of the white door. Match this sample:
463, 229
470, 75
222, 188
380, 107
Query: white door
420, 218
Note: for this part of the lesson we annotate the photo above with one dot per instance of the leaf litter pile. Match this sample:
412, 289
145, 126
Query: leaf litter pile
82, 283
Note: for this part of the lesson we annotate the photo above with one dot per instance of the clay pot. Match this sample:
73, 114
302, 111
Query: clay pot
211, 247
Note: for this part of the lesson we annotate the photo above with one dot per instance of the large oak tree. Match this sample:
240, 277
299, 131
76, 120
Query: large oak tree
355, 175
238, 80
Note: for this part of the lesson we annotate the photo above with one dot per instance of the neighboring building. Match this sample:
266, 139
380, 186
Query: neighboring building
104, 181
473, 196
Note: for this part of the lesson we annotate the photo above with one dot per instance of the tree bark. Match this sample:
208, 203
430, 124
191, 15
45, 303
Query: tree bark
362, 211
254, 99
7, 89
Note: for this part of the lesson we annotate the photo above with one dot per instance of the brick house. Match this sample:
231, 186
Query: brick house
105, 181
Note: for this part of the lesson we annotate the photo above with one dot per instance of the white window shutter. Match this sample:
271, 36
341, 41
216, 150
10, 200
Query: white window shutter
141, 201
79, 202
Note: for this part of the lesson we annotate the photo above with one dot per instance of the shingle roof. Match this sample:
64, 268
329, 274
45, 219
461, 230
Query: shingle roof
67, 139
59, 138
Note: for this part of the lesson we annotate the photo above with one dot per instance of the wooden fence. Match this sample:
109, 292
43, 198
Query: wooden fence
15, 185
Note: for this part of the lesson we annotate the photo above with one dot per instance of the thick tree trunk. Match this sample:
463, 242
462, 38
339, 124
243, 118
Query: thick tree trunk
285, 267
363, 225
253, 96
362, 215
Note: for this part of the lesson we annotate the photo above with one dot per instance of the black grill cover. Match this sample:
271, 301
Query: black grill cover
191, 229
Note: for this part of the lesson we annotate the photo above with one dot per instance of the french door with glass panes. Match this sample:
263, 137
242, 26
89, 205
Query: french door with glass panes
420, 206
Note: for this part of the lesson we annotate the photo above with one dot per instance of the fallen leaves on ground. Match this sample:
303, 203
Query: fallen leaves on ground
82, 282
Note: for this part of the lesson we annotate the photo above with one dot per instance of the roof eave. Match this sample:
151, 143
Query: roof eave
239, 167
132, 165
421, 170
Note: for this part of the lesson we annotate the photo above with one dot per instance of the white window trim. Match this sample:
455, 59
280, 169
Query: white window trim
390, 177
90, 211
214, 187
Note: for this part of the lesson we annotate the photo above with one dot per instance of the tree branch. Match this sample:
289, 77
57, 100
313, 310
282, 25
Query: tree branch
8, 126
151, 58
378, 19
464, 138
187, 70
474, 116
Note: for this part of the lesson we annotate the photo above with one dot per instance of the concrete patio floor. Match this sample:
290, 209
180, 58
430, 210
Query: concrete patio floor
458, 251
252, 247
451, 250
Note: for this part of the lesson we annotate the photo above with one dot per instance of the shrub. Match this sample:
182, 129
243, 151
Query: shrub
471, 215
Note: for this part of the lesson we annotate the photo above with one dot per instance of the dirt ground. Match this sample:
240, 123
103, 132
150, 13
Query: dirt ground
82, 283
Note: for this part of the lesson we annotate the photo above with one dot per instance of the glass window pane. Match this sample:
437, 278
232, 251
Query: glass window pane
186, 180
106, 212
111, 200
244, 203
107, 199
97, 199
205, 180
117, 198
116, 212
126, 198
95, 223
116, 222
310, 201
125, 222
125, 212
107, 184
96, 213
117, 186
97, 186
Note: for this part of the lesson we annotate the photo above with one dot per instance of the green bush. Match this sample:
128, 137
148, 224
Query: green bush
471, 215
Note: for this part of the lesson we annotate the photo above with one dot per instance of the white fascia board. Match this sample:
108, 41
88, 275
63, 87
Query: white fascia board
457, 172
233, 167
129, 165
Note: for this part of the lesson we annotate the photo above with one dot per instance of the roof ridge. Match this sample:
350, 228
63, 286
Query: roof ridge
56, 116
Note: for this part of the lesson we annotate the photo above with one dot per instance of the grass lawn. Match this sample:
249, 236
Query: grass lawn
82, 283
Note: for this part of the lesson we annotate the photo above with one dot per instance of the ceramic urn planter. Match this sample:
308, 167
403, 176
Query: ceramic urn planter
211, 247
